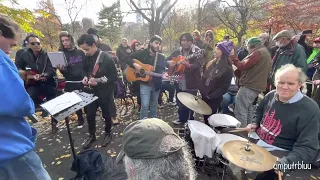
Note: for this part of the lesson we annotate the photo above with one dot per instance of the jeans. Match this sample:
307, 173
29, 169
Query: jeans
244, 108
149, 98
185, 113
170, 88
227, 100
28, 166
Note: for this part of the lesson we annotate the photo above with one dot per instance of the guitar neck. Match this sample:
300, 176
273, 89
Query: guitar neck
153, 74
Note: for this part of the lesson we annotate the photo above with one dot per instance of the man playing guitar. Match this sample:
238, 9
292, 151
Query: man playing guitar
149, 91
39, 72
100, 74
190, 78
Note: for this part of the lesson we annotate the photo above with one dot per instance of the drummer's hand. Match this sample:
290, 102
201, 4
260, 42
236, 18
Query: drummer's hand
316, 82
252, 127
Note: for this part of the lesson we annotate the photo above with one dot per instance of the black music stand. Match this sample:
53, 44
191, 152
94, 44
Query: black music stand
64, 115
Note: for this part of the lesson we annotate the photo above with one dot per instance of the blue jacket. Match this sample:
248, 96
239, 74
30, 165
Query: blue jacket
16, 135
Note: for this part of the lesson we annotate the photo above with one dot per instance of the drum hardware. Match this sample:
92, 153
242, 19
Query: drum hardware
240, 130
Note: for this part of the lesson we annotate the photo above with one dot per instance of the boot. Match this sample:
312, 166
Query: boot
107, 138
115, 120
80, 123
89, 141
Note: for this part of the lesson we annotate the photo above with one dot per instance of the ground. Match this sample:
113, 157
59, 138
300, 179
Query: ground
55, 152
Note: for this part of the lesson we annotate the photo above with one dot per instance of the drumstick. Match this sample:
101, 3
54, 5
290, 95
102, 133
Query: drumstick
240, 130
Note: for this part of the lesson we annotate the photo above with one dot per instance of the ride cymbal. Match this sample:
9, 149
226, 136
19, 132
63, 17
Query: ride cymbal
194, 103
255, 159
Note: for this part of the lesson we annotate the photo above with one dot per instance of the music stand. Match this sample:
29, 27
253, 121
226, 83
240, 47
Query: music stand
64, 115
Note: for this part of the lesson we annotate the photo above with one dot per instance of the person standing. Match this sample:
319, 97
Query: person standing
100, 73
216, 79
17, 138
149, 91
208, 47
74, 69
197, 39
190, 78
253, 74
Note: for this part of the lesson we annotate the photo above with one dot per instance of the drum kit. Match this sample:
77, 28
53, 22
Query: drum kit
215, 150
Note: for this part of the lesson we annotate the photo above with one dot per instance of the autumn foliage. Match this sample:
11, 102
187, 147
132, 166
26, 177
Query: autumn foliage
297, 15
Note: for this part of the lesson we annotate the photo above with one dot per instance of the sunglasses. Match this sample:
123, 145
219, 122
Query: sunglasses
35, 43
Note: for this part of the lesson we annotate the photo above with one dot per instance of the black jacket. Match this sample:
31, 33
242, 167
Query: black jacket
107, 68
74, 70
41, 64
122, 54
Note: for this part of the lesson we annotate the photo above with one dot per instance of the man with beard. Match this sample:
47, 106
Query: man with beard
43, 82
190, 78
100, 74
149, 91
74, 69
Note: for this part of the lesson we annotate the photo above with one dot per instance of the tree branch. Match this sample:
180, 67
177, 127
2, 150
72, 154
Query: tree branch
140, 11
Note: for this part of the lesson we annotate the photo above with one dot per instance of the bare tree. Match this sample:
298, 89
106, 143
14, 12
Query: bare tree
235, 15
73, 10
154, 13
202, 5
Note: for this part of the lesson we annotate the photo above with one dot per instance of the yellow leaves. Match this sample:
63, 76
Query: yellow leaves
65, 156
41, 150
59, 162
61, 178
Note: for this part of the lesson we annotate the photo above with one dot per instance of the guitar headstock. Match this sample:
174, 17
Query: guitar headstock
175, 78
103, 79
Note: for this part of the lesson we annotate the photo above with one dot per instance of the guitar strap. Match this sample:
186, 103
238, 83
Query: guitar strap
96, 65
155, 61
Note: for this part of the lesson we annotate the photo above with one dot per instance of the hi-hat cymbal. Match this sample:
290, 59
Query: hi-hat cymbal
194, 103
255, 159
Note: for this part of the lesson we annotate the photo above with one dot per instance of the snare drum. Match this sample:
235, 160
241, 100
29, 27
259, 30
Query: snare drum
223, 120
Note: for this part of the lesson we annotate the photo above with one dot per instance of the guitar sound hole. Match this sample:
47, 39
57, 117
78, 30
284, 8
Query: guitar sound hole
141, 74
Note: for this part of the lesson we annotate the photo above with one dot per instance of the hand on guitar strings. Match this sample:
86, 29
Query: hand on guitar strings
85, 81
186, 63
165, 76
92, 82
137, 66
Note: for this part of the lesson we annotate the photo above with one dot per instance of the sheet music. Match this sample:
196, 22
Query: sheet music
61, 103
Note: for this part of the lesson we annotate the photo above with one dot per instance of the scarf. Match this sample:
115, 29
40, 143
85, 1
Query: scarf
313, 55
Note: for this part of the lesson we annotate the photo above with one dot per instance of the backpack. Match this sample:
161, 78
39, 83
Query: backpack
119, 89
93, 165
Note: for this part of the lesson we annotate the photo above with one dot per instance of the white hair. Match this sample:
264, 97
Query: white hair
179, 165
290, 67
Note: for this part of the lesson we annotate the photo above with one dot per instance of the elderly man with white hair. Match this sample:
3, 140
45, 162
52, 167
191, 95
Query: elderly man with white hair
288, 121
152, 150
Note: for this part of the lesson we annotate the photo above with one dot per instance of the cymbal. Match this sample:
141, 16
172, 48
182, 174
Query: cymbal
194, 103
255, 159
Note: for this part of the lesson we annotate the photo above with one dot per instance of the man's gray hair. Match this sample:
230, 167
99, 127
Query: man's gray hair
290, 67
179, 165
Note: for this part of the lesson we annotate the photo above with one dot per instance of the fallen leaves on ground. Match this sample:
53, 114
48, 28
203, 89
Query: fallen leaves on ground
41, 150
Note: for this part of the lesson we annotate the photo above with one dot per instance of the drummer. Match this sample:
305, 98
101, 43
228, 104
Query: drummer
216, 79
288, 121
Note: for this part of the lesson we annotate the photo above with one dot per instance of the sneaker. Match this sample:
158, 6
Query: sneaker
115, 120
80, 124
177, 122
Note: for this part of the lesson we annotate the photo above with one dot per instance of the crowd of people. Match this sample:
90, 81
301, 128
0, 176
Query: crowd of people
151, 149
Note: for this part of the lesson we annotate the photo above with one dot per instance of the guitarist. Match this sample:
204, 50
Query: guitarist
190, 78
100, 75
149, 91
74, 70
42, 82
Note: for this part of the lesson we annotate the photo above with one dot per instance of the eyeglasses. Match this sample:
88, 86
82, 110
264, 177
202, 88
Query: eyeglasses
35, 43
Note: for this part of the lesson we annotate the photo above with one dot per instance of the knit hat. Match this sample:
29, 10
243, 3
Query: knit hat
226, 47
255, 41
283, 34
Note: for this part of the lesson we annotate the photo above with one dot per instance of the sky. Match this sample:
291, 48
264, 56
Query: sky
91, 8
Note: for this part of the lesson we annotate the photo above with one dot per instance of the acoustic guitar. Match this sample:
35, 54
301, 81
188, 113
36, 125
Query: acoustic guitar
29, 76
145, 74
178, 67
